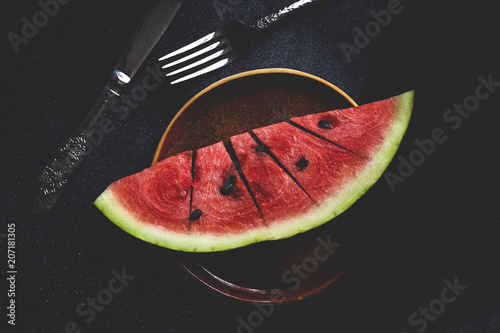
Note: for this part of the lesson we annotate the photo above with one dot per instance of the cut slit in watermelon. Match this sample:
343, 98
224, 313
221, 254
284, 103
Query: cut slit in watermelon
265, 149
302, 128
272, 197
319, 167
207, 204
220, 195
351, 128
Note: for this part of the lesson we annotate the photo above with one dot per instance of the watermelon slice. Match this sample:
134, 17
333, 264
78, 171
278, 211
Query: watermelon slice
276, 182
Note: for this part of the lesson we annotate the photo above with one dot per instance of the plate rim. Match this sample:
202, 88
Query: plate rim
274, 70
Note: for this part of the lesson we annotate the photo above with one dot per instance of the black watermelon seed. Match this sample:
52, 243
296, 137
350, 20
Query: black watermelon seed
260, 148
325, 124
196, 214
228, 186
302, 164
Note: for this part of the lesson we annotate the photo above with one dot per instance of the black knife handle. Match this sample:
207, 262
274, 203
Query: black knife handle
56, 173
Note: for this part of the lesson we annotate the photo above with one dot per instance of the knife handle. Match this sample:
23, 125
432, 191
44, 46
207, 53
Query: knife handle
56, 173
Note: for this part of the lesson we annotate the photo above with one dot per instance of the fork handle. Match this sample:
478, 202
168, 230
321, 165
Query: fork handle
271, 19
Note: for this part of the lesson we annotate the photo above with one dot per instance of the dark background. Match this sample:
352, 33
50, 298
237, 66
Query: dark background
441, 223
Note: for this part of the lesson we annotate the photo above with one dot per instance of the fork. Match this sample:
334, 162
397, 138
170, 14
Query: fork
231, 42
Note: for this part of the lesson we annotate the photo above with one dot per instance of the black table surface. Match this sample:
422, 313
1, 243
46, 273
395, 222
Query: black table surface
437, 226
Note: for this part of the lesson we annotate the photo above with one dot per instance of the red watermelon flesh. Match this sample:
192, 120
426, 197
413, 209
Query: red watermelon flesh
157, 204
276, 193
220, 195
320, 167
163, 189
361, 129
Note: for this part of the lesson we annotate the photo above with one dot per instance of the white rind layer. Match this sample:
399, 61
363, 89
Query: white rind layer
316, 216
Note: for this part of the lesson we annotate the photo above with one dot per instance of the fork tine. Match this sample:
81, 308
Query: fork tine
193, 55
199, 62
189, 46
210, 68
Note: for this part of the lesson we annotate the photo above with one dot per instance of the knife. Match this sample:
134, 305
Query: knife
61, 166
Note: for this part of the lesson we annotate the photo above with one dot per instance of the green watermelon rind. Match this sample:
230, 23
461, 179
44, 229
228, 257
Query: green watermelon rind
118, 214
378, 163
112, 207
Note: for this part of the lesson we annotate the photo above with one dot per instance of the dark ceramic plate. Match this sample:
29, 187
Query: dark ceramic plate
267, 272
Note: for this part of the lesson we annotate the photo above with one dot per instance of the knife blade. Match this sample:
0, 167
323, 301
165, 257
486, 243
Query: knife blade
59, 169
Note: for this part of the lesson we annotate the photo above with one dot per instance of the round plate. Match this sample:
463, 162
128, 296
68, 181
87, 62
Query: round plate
268, 272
